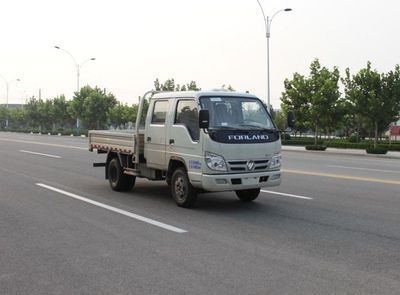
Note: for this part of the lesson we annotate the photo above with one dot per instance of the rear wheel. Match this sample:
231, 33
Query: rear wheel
117, 179
248, 195
129, 182
184, 194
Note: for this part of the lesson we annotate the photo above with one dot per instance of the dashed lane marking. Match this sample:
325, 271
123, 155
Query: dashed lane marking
116, 210
40, 154
287, 195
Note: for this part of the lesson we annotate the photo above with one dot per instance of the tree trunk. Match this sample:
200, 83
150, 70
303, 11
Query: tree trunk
358, 131
376, 134
316, 134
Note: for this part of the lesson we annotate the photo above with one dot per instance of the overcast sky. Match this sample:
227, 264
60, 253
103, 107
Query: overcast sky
213, 42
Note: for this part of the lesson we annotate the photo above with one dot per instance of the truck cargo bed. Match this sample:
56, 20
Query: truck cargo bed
116, 141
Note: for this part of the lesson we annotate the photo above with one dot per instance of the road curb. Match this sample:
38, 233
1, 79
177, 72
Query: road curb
355, 152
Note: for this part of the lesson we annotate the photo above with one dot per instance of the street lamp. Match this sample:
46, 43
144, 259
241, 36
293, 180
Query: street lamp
8, 83
78, 73
268, 22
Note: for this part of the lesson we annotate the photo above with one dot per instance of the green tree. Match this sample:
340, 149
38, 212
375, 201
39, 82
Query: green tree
352, 118
32, 108
191, 86
18, 118
91, 106
374, 97
121, 114
96, 106
60, 112
144, 111
47, 115
315, 98
169, 85
76, 106
229, 87
296, 98
280, 119
3, 116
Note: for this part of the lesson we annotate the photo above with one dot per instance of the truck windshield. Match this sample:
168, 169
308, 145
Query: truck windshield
236, 113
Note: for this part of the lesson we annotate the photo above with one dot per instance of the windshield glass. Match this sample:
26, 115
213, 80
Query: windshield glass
236, 113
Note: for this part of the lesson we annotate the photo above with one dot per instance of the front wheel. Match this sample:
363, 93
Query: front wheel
182, 191
248, 195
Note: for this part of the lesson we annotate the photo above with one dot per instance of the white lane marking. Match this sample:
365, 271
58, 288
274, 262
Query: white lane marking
47, 144
367, 169
123, 212
287, 195
40, 154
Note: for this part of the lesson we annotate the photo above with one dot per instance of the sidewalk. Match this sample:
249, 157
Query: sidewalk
354, 152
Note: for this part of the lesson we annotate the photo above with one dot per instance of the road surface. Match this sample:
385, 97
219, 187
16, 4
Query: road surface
332, 227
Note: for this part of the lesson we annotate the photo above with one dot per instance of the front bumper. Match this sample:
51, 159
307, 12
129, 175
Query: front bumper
233, 182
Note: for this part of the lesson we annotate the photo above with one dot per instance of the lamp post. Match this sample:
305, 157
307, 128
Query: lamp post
8, 83
78, 67
268, 22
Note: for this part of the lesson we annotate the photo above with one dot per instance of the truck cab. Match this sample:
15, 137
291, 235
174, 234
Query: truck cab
205, 141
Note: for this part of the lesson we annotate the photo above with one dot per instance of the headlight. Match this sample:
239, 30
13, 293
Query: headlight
215, 162
275, 161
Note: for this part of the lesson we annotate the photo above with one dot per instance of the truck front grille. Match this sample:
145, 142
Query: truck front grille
241, 165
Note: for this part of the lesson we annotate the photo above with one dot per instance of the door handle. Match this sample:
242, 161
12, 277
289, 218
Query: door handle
148, 139
172, 141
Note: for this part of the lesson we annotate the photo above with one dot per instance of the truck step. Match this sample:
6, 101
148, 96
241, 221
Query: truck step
130, 171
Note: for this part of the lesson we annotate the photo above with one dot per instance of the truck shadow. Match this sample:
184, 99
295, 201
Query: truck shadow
266, 211
211, 202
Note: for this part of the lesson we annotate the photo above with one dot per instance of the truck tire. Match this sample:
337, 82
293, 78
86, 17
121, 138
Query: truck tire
248, 195
184, 194
118, 180
129, 182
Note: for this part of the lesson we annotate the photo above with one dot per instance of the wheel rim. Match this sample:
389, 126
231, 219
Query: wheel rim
180, 188
113, 174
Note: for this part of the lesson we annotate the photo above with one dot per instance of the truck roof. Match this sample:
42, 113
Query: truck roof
197, 94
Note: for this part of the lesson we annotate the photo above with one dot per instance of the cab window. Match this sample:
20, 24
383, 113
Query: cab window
187, 114
159, 112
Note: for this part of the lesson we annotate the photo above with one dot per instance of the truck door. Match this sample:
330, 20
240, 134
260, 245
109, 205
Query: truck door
184, 136
155, 135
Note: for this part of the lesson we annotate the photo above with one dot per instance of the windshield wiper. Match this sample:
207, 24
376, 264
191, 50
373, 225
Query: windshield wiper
258, 127
223, 127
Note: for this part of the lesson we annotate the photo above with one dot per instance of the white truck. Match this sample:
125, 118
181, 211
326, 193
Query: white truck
206, 141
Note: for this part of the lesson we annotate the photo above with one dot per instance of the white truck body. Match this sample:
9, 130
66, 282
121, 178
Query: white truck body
239, 151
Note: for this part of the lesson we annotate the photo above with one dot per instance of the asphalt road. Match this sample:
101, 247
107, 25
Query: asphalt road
334, 230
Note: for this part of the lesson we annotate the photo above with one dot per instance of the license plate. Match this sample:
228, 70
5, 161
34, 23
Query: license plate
250, 180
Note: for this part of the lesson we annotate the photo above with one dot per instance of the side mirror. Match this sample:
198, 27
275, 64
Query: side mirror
291, 119
204, 119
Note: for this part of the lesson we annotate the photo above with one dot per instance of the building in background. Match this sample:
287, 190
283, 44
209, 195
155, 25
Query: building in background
394, 131
12, 105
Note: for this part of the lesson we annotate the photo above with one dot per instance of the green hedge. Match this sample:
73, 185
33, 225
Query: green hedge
301, 142
363, 145
346, 145
315, 147
394, 148
378, 150
341, 144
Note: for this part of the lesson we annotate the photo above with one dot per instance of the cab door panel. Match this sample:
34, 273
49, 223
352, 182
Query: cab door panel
183, 140
155, 135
